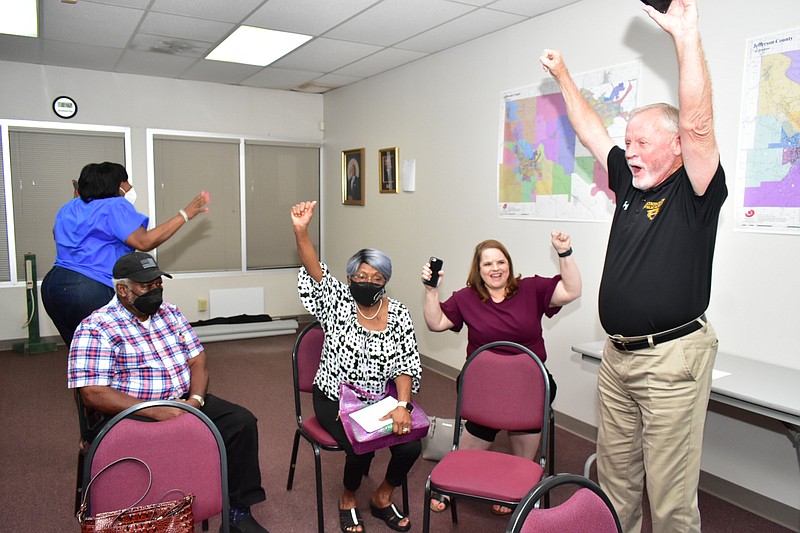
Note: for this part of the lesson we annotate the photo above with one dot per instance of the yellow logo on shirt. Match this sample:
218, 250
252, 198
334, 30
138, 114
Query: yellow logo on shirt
652, 208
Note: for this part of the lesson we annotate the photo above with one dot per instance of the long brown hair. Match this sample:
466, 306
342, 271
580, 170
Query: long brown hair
474, 279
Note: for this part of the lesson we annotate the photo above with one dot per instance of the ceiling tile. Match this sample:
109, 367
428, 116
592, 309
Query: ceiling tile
278, 78
16, 48
528, 8
185, 27
219, 71
152, 64
89, 23
393, 21
460, 30
76, 55
384, 60
293, 15
144, 42
325, 55
222, 10
136, 4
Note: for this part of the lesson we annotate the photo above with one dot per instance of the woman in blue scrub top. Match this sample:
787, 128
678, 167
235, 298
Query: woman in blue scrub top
92, 231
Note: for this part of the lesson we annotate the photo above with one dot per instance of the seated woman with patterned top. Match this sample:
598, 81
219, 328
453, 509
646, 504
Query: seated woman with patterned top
369, 339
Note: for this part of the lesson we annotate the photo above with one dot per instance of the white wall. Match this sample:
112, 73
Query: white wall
141, 102
444, 113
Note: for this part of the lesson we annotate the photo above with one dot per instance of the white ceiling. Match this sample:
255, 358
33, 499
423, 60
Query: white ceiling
352, 39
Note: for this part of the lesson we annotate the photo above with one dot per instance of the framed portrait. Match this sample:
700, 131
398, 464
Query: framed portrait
387, 170
352, 177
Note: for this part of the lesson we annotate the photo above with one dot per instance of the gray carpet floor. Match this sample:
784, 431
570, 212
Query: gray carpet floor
39, 440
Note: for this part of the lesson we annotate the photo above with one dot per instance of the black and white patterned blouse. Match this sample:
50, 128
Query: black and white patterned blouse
351, 353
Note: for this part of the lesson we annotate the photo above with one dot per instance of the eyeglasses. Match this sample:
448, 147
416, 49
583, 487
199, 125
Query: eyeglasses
377, 279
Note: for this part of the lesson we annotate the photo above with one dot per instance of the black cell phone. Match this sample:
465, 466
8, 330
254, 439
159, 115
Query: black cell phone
660, 5
436, 266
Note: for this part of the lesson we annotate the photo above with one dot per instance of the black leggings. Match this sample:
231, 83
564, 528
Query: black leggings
357, 466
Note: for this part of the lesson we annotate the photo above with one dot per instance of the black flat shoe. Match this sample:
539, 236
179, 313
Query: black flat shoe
350, 519
391, 516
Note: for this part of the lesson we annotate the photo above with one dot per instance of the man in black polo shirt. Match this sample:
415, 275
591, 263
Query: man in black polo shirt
655, 377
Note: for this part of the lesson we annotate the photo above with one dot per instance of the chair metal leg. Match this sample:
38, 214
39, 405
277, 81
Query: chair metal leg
551, 466
552, 438
426, 508
293, 460
318, 469
79, 482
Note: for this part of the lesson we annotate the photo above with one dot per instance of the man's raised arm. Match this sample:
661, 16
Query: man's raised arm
696, 123
584, 119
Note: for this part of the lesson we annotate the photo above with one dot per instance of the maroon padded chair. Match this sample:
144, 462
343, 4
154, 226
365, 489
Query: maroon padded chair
184, 453
306, 355
305, 361
502, 390
587, 510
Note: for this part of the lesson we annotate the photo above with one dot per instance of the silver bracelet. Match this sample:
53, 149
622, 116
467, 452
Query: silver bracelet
184, 215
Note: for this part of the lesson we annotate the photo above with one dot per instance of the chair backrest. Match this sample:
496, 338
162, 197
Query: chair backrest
588, 510
504, 391
185, 453
305, 361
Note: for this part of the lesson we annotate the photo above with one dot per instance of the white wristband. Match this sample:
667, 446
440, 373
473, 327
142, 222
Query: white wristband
184, 215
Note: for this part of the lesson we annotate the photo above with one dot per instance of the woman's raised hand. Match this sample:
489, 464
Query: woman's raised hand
561, 241
302, 214
197, 205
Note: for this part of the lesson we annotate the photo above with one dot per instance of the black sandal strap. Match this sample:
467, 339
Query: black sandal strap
350, 519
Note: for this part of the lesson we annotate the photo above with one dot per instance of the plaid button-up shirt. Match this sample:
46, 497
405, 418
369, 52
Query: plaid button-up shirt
149, 361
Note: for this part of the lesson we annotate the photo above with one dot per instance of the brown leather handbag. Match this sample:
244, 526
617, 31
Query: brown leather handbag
164, 517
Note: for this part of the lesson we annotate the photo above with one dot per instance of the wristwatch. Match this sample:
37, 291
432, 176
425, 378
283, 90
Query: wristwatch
408, 406
200, 399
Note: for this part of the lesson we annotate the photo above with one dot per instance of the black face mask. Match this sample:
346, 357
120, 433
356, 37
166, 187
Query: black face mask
367, 294
149, 302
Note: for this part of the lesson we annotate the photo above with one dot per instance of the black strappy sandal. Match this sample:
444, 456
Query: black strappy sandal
391, 516
350, 519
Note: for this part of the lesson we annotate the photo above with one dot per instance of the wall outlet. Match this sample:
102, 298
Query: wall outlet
202, 304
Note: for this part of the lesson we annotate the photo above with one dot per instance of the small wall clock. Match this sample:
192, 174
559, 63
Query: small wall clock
65, 107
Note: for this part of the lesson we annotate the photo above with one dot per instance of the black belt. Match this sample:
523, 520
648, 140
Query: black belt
649, 341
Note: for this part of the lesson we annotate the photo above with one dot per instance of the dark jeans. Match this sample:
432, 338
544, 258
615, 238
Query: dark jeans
357, 466
69, 297
239, 431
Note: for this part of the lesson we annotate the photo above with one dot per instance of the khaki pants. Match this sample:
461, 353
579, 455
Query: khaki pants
652, 413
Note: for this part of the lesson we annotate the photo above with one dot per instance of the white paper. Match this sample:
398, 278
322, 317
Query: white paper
369, 417
408, 175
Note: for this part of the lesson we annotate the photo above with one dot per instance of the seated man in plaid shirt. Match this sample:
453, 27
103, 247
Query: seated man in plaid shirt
138, 348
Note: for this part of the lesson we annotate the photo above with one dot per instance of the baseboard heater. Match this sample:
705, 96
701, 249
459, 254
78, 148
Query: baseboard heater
248, 330
239, 314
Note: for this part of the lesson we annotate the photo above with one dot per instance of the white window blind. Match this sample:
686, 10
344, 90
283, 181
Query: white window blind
43, 165
277, 177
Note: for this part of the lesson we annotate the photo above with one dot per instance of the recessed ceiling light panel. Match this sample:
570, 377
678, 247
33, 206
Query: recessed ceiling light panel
18, 17
256, 46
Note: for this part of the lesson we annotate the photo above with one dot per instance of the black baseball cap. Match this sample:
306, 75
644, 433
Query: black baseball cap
137, 266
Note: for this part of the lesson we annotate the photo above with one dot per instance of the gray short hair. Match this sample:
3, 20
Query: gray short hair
669, 113
374, 258
124, 281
